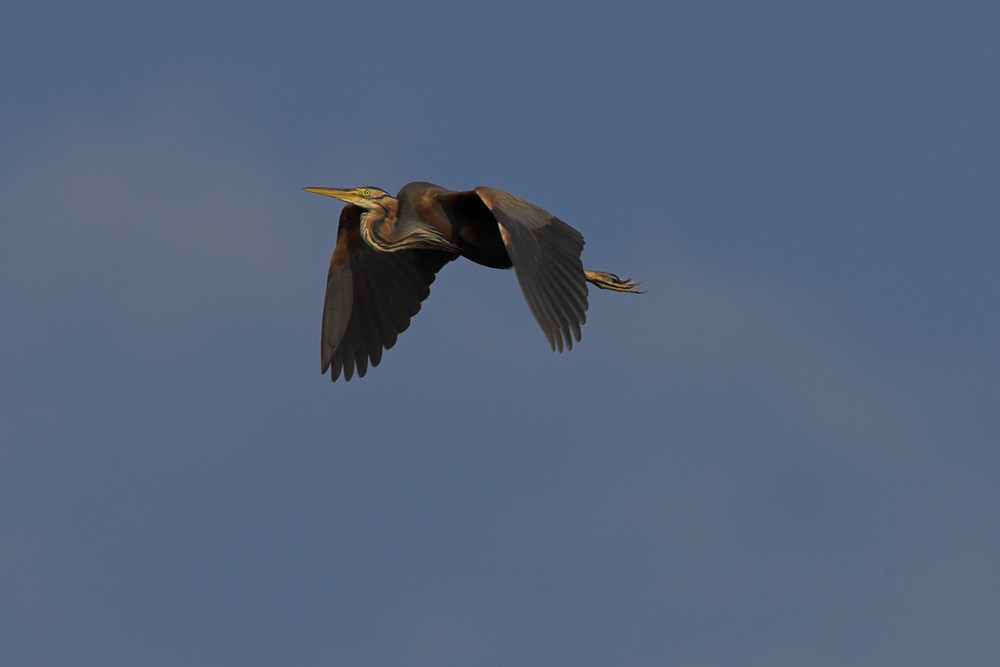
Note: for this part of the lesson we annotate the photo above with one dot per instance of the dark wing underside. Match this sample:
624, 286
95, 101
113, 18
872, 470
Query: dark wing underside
370, 297
545, 252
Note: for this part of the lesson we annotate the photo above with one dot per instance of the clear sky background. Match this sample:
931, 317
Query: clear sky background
785, 453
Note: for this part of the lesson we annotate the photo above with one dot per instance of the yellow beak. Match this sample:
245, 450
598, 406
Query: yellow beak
349, 195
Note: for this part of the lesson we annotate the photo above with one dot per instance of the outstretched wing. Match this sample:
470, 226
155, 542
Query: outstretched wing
370, 297
545, 252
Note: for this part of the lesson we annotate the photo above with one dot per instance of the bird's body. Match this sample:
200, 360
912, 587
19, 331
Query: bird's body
390, 248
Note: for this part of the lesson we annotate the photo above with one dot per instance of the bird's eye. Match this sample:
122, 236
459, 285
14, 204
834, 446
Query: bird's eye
368, 193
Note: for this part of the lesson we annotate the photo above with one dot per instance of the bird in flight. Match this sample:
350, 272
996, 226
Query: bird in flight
390, 248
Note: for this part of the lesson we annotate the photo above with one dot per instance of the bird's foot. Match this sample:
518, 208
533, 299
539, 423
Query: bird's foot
610, 281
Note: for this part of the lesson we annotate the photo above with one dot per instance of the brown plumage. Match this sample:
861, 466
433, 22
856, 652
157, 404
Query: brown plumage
390, 248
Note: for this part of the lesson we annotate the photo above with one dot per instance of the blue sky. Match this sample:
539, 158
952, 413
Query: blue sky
785, 453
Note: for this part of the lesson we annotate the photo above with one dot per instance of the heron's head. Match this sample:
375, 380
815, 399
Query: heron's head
368, 198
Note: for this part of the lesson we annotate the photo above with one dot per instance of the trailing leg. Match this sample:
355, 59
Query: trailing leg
612, 282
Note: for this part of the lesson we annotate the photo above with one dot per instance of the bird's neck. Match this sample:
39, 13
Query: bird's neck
378, 225
382, 230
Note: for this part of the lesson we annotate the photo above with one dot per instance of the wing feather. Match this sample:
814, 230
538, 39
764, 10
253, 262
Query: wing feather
370, 298
545, 253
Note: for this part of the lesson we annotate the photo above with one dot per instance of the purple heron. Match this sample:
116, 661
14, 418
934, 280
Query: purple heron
390, 248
